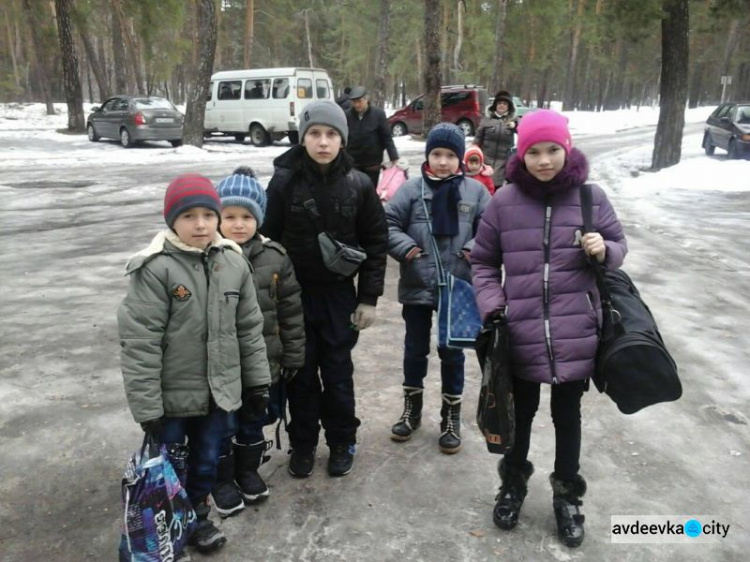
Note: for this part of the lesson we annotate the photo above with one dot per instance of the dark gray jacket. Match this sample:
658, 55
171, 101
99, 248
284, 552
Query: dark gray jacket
408, 227
495, 138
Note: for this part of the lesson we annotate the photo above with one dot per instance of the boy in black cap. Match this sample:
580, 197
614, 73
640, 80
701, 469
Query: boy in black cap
369, 135
314, 191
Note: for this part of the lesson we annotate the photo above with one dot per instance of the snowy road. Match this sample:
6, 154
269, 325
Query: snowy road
73, 211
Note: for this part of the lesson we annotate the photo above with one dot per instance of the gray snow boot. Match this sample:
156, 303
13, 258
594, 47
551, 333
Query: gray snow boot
450, 424
411, 419
566, 501
513, 491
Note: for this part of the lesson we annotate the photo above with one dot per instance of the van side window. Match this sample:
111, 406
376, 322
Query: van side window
257, 89
304, 88
230, 90
321, 89
280, 88
210, 95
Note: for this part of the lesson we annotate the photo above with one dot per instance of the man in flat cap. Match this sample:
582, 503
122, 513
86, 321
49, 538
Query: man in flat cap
369, 135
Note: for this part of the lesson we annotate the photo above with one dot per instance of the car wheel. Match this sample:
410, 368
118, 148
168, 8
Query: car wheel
398, 129
93, 137
240, 137
732, 150
467, 126
176, 143
708, 146
125, 139
258, 135
293, 137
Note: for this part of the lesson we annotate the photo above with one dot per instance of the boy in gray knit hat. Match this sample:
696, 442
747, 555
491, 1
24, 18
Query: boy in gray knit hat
243, 202
316, 190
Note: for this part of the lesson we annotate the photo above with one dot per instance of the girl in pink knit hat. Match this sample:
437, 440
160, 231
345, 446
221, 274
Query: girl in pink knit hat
533, 231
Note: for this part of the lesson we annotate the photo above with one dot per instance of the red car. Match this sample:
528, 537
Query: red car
462, 105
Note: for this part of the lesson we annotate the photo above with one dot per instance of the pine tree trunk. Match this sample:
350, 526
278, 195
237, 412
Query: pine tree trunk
497, 69
569, 100
432, 74
71, 81
40, 68
696, 85
444, 58
673, 94
12, 49
460, 10
249, 32
118, 49
196, 104
384, 32
93, 61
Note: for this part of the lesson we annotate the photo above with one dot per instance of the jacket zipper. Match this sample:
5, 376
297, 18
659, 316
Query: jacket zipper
547, 329
205, 268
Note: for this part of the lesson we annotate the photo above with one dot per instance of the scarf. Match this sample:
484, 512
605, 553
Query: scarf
445, 198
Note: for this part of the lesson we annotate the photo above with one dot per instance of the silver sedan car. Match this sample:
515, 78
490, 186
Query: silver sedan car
132, 119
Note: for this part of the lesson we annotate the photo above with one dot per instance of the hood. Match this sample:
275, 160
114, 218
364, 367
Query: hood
474, 150
158, 245
511, 106
574, 174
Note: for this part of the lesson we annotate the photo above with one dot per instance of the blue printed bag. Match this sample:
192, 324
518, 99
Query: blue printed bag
158, 515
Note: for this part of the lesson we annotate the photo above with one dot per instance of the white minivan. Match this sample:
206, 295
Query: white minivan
263, 103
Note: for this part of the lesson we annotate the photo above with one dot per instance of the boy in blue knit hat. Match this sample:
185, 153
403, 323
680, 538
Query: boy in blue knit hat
243, 202
454, 205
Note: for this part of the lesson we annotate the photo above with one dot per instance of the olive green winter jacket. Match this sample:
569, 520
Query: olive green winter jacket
191, 329
279, 300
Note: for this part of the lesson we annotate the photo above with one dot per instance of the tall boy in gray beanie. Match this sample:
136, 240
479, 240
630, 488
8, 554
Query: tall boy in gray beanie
316, 190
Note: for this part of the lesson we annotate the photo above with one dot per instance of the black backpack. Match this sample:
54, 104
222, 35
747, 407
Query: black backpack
633, 365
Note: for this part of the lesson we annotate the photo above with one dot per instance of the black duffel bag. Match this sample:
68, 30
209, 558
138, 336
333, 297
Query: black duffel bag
495, 412
633, 365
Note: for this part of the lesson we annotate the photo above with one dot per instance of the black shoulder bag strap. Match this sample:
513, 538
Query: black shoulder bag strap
587, 210
311, 206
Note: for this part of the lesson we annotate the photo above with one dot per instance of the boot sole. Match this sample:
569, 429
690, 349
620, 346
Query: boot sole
572, 543
400, 438
299, 475
213, 547
255, 498
450, 451
224, 513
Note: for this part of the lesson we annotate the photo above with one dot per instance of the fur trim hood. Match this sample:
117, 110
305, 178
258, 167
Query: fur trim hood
158, 246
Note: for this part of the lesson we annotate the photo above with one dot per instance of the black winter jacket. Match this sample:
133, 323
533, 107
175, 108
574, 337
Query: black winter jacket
351, 211
369, 136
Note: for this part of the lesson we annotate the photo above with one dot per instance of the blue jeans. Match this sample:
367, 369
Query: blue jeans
418, 320
204, 436
251, 432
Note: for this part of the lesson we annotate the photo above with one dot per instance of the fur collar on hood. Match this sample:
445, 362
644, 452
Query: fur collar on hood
574, 174
158, 246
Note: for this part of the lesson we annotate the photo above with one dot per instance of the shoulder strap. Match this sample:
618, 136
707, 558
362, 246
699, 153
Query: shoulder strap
435, 249
587, 208
311, 206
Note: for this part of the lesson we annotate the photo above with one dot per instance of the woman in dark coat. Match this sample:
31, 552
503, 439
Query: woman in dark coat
495, 134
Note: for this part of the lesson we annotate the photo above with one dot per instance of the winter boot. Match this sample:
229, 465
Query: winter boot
512, 493
566, 501
227, 498
450, 424
411, 419
302, 463
248, 460
206, 538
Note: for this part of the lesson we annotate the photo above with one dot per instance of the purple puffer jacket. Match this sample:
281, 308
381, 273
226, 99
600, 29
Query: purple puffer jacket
552, 339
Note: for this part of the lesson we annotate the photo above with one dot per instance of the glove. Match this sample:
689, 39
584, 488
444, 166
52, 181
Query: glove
152, 427
287, 373
497, 318
363, 316
255, 400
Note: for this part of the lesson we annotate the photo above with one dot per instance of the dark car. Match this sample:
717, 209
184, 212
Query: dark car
461, 105
132, 119
729, 128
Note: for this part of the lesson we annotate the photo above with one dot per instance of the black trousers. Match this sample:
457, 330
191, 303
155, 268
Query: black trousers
566, 416
323, 390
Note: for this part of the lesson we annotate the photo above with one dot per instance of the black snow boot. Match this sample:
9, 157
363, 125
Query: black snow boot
248, 461
227, 498
411, 419
512, 493
566, 501
206, 538
450, 424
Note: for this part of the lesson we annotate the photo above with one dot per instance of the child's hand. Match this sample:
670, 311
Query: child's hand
287, 373
255, 401
363, 316
413, 253
593, 245
152, 427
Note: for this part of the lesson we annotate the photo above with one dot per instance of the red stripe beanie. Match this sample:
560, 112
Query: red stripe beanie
543, 125
187, 192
